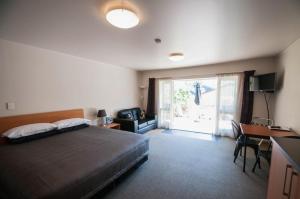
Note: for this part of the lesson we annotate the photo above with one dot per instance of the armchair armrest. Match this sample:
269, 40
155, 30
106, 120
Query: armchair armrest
153, 117
127, 124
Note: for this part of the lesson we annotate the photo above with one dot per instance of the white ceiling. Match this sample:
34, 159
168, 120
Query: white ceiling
206, 31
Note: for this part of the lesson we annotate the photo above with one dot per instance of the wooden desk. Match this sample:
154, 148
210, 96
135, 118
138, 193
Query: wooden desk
256, 131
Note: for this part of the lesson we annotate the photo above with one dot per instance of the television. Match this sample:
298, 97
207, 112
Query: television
263, 83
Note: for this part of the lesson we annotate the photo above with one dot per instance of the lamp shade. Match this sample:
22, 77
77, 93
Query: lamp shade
101, 113
122, 18
176, 56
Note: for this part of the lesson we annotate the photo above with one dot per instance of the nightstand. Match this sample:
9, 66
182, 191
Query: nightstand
112, 126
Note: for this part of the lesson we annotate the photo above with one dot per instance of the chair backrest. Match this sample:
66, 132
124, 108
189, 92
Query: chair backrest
236, 129
133, 113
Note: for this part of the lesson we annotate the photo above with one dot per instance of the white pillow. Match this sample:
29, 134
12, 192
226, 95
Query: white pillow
29, 129
61, 124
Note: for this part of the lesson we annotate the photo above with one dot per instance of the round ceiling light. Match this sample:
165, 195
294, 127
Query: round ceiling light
176, 56
122, 18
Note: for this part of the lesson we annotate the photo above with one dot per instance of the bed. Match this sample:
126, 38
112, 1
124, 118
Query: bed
74, 164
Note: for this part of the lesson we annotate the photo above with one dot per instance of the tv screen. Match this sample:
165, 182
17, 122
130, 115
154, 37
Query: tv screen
264, 82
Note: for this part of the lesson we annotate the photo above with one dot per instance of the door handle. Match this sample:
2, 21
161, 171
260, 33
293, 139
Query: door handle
286, 169
291, 183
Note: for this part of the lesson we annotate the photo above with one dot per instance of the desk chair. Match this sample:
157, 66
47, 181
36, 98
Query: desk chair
264, 150
240, 141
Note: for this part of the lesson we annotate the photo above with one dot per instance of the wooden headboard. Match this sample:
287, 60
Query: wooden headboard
18, 120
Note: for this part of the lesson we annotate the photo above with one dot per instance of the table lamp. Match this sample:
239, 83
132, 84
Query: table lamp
102, 115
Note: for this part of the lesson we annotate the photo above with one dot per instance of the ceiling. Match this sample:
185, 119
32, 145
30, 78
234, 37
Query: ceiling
206, 31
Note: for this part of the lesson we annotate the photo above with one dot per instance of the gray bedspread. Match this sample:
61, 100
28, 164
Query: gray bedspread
69, 165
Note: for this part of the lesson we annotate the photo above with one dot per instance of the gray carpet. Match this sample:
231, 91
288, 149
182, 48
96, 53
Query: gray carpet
182, 167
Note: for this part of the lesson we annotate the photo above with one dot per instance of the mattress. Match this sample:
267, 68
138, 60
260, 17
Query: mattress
73, 164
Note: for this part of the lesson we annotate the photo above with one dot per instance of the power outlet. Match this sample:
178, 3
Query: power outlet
10, 106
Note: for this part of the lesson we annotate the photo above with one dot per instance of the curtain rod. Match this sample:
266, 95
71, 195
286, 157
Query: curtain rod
198, 76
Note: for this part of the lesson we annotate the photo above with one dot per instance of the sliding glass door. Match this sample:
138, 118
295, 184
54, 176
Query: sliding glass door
193, 114
205, 105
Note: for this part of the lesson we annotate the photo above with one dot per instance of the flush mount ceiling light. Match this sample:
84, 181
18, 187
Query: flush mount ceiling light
122, 18
176, 56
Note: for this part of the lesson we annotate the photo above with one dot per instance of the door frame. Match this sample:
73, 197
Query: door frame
218, 90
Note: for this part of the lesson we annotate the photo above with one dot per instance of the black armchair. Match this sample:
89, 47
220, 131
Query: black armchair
130, 120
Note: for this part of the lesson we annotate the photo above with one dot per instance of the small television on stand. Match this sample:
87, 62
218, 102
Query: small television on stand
265, 84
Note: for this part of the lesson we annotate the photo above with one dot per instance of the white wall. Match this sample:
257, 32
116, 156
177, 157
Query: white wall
40, 80
287, 106
261, 65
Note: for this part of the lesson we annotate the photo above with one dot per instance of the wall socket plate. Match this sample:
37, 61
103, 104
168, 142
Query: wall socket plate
10, 106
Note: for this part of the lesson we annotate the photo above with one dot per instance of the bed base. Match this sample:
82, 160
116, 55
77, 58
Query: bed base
117, 179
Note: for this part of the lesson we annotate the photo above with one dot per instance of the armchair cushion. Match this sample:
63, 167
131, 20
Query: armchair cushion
143, 115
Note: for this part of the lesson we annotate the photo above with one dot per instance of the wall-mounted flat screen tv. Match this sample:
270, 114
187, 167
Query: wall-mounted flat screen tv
263, 83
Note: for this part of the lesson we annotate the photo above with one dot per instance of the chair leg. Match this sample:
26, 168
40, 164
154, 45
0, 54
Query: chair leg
235, 157
253, 169
235, 150
256, 151
257, 161
238, 149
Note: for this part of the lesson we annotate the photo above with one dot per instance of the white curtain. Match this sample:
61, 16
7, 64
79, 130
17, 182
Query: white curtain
165, 103
229, 96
